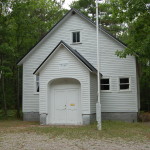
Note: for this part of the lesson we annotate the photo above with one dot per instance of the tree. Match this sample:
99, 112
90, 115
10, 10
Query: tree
136, 15
129, 21
22, 24
105, 10
5, 53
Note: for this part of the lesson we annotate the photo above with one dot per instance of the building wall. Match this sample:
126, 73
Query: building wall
30, 97
111, 65
73, 69
93, 92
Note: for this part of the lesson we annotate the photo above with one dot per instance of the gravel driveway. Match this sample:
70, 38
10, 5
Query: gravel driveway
33, 141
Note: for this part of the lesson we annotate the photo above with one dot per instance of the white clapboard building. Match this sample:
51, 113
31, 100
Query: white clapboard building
60, 76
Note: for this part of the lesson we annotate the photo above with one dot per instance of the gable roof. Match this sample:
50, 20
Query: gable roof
73, 51
72, 11
100, 27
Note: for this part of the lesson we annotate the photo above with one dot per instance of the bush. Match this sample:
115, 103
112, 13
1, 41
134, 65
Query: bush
144, 116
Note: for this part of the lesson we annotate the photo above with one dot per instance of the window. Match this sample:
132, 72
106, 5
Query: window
105, 85
124, 83
75, 37
37, 83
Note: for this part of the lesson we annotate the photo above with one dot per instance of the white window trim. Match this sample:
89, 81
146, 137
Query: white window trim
71, 37
107, 91
35, 92
124, 90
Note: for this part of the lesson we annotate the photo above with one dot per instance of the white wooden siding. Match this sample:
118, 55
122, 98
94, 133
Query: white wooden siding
30, 99
119, 101
111, 65
115, 67
74, 69
93, 92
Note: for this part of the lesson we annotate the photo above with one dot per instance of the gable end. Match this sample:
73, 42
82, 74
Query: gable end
72, 11
74, 52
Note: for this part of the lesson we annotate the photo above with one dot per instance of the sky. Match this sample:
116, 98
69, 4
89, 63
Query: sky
67, 3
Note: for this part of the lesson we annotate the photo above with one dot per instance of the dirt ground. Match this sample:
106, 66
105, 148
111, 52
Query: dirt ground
33, 141
19, 135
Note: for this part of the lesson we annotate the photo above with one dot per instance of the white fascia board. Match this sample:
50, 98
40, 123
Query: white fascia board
40, 68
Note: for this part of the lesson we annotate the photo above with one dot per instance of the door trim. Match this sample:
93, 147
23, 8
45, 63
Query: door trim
53, 87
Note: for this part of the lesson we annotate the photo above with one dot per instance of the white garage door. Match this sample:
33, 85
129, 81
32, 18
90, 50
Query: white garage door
66, 103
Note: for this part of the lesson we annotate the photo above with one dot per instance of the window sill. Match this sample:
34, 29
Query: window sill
120, 91
76, 43
104, 91
37, 93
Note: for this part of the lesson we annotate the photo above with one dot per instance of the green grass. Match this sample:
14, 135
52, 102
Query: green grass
128, 131
13, 123
110, 129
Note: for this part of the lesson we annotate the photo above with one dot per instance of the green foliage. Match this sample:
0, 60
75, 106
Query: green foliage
22, 24
129, 21
105, 10
145, 93
11, 114
136, 16
86, 7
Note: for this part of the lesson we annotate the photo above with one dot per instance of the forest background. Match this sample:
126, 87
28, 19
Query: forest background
24, 22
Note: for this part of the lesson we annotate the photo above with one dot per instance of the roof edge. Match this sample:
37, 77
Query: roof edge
74, 52
21, 60
100, 27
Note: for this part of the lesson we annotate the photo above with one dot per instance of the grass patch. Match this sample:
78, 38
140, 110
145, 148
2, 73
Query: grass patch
110, 129
12, 123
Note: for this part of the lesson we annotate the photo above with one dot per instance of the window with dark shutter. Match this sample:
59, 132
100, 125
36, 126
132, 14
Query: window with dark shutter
105, 84
75, 37
124, 83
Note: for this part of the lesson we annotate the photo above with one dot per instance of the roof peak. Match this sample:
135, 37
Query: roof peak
74, 52
80, 14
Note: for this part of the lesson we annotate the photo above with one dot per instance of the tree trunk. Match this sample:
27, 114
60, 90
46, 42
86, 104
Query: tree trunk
4, 97
18, 95
3, 88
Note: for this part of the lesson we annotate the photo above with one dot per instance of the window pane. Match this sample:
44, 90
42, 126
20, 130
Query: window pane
37, 83
104, 81
124, 86
78, 36
37, 86
104, 87
37, 78
74, 37
124, 80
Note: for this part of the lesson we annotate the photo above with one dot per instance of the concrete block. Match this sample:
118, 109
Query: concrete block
120, 116
88, 118
31, 116
43, 119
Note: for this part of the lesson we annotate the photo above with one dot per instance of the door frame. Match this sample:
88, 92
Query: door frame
51, 91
